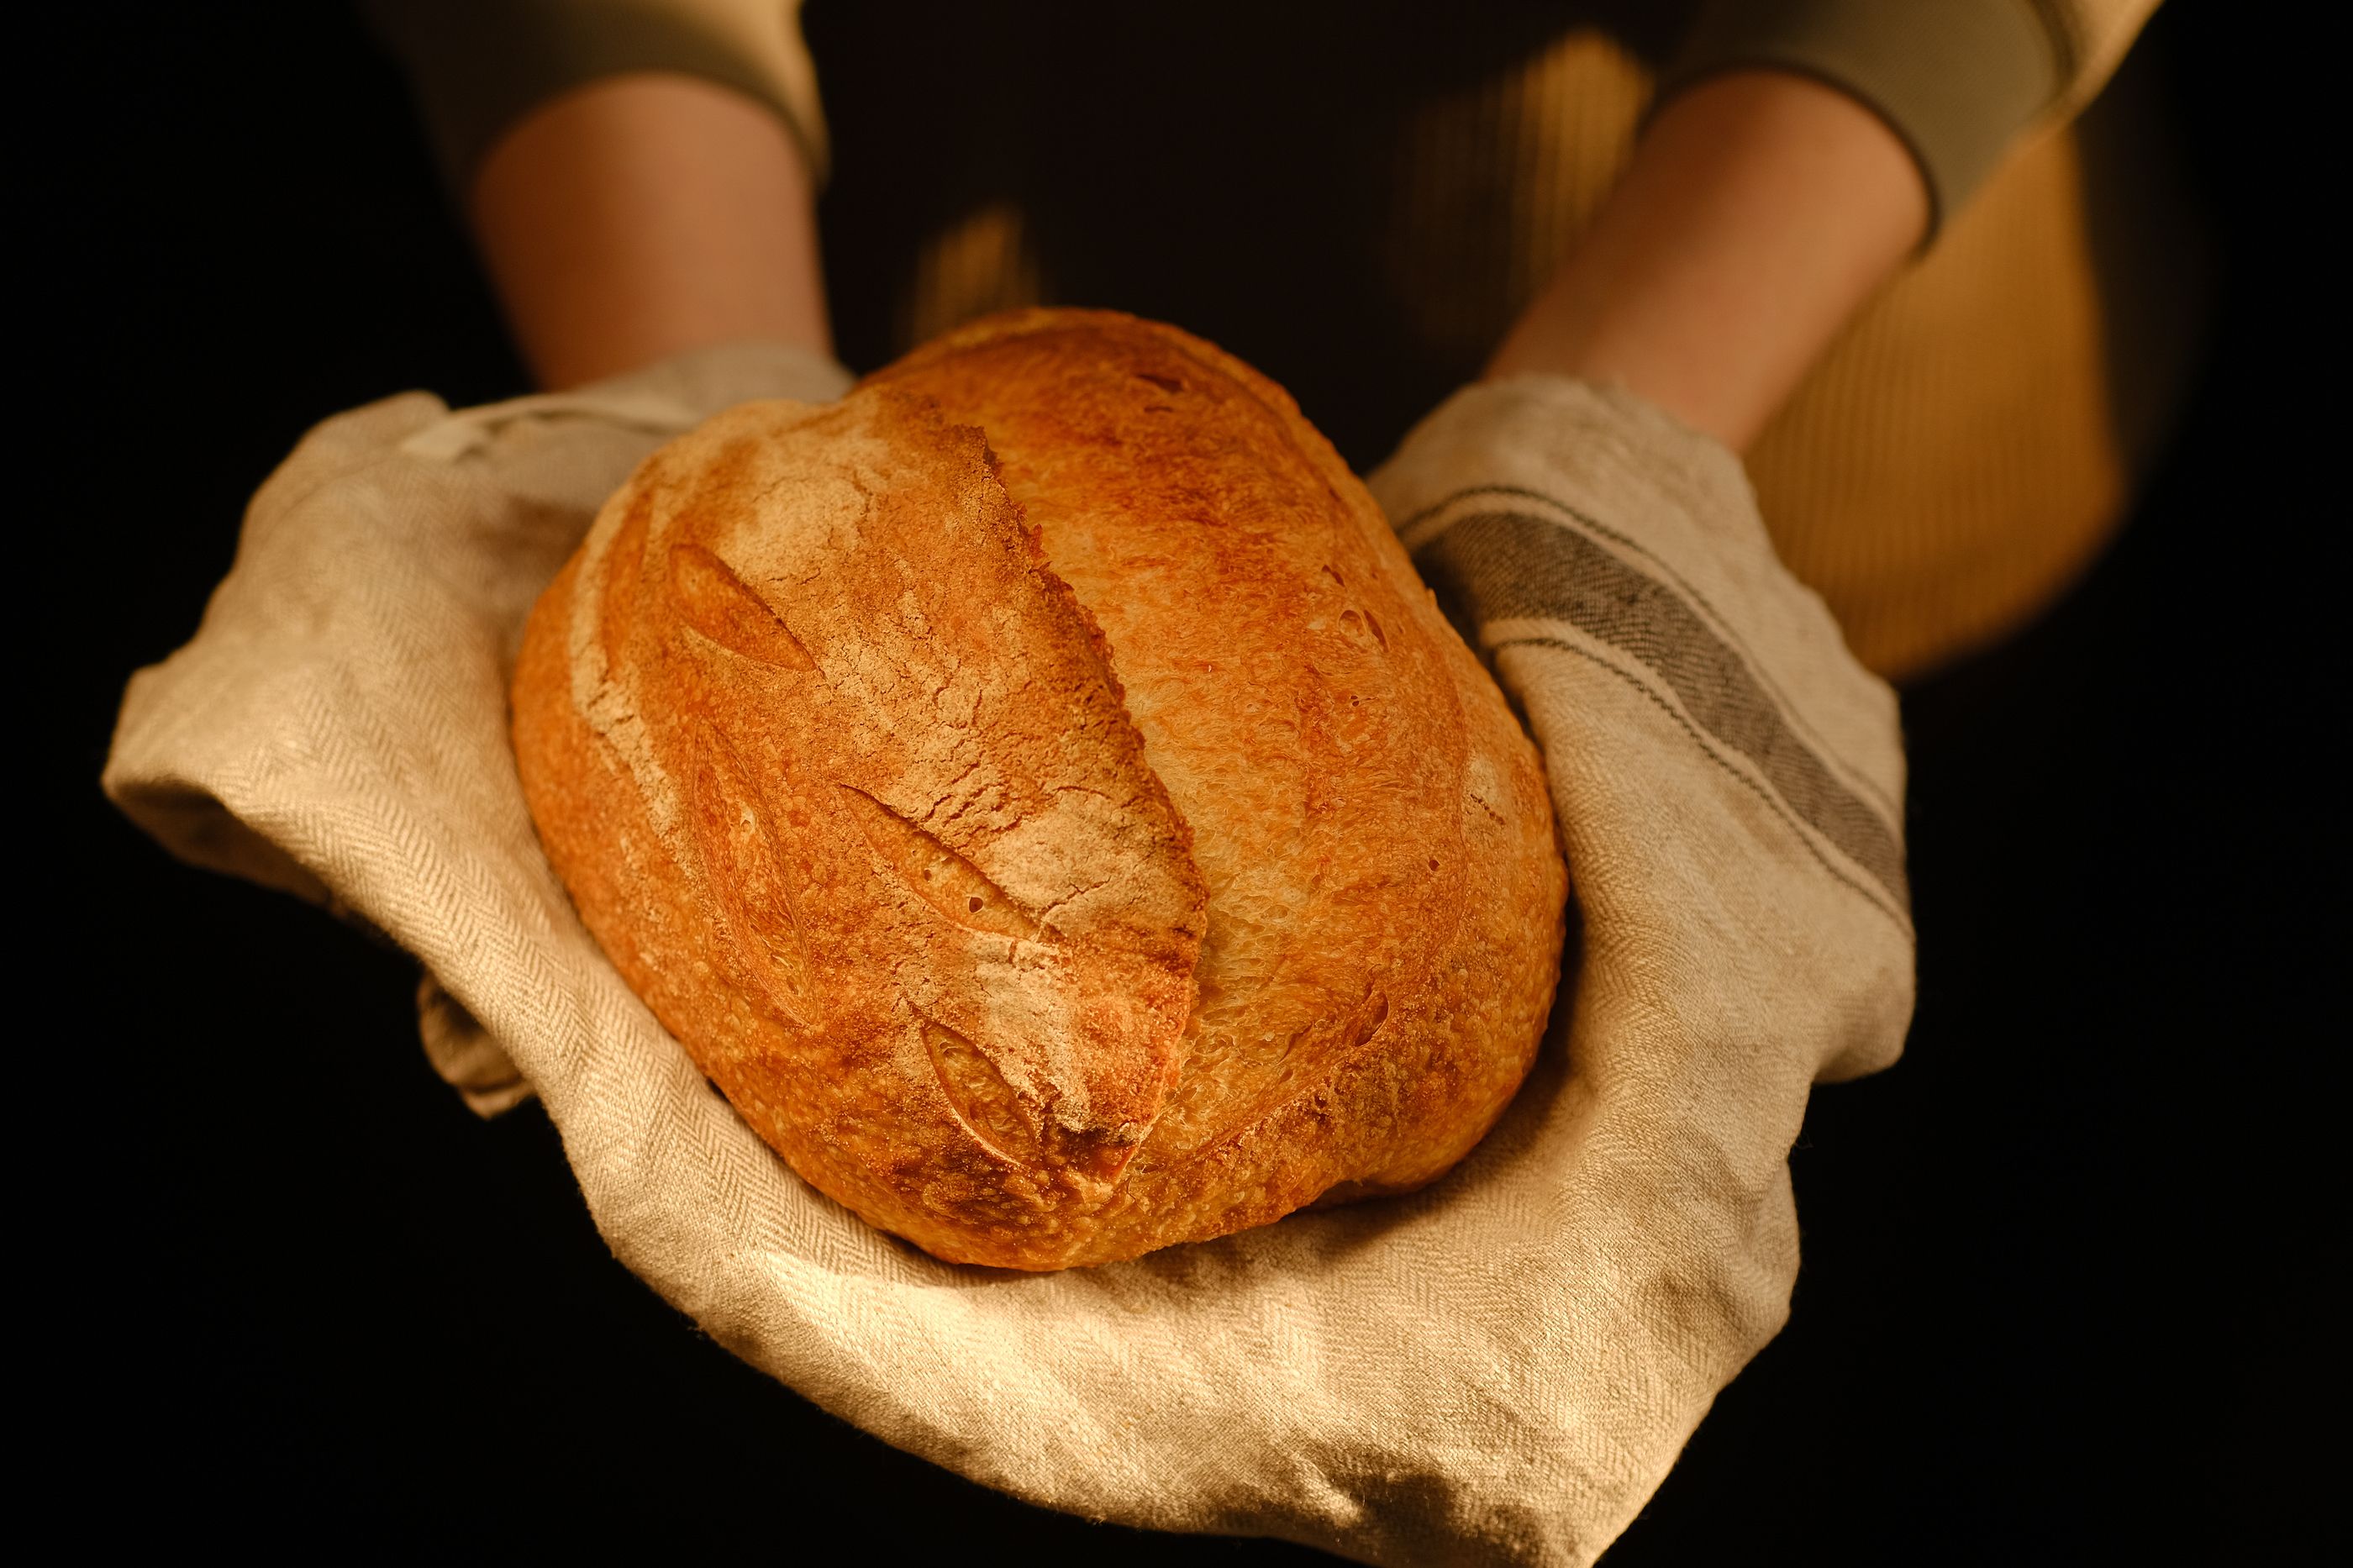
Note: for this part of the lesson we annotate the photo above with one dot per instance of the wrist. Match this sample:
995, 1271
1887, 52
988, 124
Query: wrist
1760, 210
645, 216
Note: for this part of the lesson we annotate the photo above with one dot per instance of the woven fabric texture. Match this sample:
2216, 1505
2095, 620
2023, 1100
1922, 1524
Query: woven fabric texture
1499, 1368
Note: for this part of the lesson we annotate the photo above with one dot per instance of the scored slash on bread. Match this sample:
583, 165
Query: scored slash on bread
1038, 792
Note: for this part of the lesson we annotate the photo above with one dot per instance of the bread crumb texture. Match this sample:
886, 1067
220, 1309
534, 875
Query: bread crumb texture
1041, 796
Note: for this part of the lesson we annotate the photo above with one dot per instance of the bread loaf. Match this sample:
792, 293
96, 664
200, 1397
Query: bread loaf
1039, 795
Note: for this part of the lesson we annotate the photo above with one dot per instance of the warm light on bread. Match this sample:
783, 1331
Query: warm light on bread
1038, 793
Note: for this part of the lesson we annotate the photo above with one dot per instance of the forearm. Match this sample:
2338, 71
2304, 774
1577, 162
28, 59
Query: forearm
1760, 210
644, 215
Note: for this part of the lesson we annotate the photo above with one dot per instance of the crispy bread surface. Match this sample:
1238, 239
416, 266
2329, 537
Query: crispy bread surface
1057, 844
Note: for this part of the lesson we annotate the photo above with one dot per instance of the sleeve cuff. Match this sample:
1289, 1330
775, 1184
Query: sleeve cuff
1955, 80
480, 65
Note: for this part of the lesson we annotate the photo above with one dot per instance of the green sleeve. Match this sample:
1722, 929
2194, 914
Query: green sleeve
480, 65
1955, 80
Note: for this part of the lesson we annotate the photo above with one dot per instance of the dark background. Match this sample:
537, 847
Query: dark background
2061, 1293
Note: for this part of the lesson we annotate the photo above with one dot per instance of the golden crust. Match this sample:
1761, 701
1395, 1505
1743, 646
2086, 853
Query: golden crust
1061, 845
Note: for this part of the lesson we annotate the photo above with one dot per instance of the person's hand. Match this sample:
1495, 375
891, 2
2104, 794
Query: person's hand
1761, 209
385, 571
1503, 1365
1727, 780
